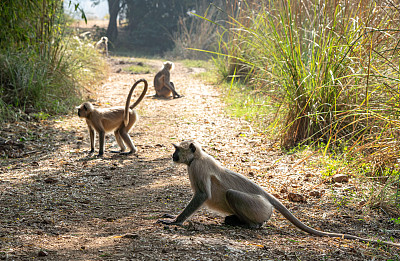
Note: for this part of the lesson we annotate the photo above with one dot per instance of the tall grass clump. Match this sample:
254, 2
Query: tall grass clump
331, 70
195, 33
29, 83
41, 65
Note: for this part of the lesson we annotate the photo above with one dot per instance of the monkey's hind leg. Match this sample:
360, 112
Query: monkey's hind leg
250, 210
125, 136
119, 141
164, 92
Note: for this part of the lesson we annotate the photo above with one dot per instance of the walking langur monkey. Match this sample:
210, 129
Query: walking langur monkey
162, 84
244, 202
118, 119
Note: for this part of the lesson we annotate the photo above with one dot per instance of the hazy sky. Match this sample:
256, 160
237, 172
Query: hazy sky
98, 11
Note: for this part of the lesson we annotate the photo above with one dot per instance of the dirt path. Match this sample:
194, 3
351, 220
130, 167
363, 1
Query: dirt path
57, 203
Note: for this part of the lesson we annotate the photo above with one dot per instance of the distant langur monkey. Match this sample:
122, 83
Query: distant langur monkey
162, 84
102, 45
118, 119
245, 203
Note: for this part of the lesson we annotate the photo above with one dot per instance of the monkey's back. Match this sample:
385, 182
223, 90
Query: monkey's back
221, 180
158, 79
111, 114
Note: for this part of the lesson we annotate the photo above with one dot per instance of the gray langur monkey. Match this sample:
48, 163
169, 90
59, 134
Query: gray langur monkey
118, 119
162, 83
245, 203
102, 45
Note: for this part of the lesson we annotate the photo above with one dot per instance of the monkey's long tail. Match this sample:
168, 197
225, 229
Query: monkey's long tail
289, 216
128, 99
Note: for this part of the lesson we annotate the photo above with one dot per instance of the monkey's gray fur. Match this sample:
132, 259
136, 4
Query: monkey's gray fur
244, 202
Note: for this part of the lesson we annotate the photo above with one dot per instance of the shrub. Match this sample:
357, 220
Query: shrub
41, 66
330, 70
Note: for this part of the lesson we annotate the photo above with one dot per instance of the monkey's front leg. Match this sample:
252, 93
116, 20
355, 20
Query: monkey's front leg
172, 88
102, 137
91, 134
195, 203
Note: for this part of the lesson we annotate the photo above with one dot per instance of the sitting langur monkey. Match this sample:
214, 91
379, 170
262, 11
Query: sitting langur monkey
118, 119
102, 45
245, 203
162, 84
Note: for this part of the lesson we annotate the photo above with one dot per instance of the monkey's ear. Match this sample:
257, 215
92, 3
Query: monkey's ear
84, 106
192, 147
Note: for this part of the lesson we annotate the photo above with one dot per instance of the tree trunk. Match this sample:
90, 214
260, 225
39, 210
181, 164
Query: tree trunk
113, 9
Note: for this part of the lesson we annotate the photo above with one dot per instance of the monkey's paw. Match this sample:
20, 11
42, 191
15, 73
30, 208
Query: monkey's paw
169, 222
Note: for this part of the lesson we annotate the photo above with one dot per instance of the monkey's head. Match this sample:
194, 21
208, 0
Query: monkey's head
104, 39
186, 152
169, 65
85, 109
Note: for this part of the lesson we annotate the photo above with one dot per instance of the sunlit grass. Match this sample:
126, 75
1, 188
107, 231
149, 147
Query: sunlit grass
140, 68
207, 64
248, 105
327, 73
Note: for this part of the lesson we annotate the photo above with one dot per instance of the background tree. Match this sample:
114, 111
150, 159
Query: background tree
152, 22
114, 8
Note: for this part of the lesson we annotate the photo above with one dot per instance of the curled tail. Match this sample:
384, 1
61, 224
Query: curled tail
289, 216
128, 99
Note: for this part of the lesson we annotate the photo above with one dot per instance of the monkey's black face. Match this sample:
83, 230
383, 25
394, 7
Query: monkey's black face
81, 112
184, 153
175, 156
84, 110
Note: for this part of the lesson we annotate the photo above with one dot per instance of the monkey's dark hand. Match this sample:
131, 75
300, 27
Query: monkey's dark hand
169, 222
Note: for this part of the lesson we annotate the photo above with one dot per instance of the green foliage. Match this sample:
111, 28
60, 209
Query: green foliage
329, 71
84, 62
40, 65
332, 76
41, 116
202, 69
316, 75
14, 21
140, 68
29, 82
248, 104
396, 220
